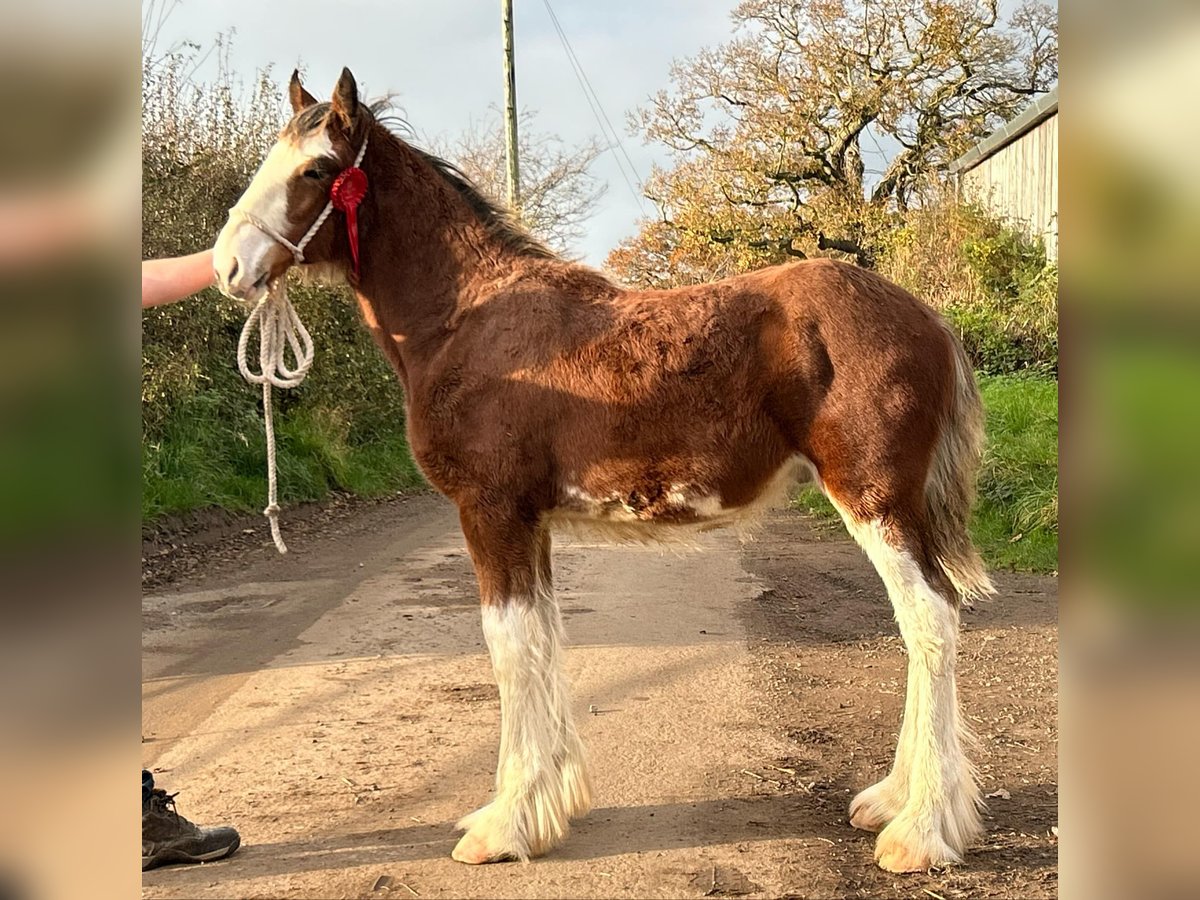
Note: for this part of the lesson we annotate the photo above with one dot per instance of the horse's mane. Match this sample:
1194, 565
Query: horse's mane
498, 220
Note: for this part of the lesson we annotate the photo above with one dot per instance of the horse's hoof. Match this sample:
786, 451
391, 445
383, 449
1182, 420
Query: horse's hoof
473, 850
904, 847
875, 807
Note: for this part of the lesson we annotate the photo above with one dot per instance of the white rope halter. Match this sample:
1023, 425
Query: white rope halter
297, 249
279, 327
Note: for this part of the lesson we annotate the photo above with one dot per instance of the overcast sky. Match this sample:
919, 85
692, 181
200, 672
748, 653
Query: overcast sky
442, 58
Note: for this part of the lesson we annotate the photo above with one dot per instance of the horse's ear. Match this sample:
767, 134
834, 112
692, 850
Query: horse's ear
345, 98
301, 99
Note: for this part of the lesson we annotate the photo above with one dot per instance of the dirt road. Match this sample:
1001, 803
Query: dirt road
338, 707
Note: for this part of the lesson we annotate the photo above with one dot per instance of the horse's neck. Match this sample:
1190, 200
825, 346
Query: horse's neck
427, 258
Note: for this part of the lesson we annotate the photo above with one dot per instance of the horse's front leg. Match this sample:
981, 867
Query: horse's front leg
541, 777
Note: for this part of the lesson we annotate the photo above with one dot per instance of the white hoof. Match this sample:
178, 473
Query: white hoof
491, 836
909, 845
876, 806
529, 822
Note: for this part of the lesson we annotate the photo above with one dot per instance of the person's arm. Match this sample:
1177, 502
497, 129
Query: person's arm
168, 280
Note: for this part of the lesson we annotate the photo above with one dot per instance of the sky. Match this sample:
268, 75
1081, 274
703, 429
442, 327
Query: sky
442, 59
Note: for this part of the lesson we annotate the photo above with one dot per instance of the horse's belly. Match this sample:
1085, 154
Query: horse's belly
658, 512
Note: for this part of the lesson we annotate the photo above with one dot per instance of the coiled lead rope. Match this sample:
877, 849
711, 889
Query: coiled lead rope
279, 328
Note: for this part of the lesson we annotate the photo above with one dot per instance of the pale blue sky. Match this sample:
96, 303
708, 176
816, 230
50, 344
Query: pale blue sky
443, 62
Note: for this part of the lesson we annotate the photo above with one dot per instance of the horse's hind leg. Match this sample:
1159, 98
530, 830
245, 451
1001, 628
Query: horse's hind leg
928, 806
541, 778
898, 455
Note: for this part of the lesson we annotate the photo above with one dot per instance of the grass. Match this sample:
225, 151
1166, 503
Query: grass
210, 456
1015, 523
1016, 518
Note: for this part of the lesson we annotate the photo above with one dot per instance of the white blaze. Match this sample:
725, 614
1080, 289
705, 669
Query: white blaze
266, 200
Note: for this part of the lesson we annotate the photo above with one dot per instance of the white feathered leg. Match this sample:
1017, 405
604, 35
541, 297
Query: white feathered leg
931, 797
541, 778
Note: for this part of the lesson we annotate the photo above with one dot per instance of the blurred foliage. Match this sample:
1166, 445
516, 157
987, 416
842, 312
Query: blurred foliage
1134, 472
202, 432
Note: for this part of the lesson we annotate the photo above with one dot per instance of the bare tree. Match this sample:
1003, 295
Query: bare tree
558, 193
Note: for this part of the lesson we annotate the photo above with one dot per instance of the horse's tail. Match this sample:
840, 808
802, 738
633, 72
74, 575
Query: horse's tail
950, 486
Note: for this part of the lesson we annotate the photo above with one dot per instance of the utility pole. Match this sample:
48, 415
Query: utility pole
510, 110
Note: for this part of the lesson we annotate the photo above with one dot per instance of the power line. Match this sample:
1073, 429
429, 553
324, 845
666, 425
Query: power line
598, 113
593, 101
616, 135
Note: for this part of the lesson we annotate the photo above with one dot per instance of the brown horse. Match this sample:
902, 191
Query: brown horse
540, 393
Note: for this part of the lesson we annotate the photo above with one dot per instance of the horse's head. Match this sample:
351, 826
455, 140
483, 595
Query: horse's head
289, 192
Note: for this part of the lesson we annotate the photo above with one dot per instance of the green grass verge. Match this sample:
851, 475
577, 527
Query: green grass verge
208, 455
1015, 524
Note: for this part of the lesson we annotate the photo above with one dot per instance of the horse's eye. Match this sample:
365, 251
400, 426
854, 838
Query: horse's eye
312, 173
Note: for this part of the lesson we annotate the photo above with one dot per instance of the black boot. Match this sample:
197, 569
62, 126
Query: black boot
168, 837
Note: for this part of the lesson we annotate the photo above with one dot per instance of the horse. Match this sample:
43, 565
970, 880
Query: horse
541, 394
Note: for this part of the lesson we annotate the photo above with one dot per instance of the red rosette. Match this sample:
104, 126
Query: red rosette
348, 189
345, 194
